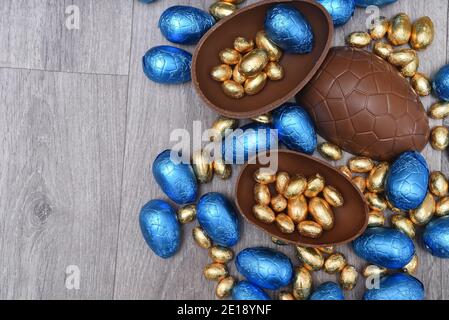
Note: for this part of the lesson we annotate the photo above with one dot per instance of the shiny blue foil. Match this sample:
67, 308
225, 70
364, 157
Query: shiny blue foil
328, 291
245, 290
160, 228
380, 3
340, 10
265, 267
295, 128
385, 247
176, 180
407, 180
184, 24
441, 83
436, 237
167, 64
147, 1
398, 286
289, 29
217, 217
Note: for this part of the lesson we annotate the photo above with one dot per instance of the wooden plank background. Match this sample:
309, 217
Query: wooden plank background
80, 126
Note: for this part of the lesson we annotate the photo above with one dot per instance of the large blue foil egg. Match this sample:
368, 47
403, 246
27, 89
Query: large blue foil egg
295, 128
185, 24
436, 237
441, 83
160, 228
167, 64
385, 247
407, 180
248, 141
397, 286
265, 267
217, 216
177, 180
289, 29
245, 290
380, 3
340, 10
328, 291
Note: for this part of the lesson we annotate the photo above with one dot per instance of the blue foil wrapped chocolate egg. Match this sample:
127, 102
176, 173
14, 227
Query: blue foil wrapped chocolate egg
289, 29
384, 247
245, 290
340, 10
167, 64
398, 286
248, 141
380, 3
217, 217
441, 83
407, 180
177, 180
160, 228
328, 291
436, 237
147, 1
295, 128
185, 24
265, 267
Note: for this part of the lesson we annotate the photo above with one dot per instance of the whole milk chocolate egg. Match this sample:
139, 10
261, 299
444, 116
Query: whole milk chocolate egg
366, 3
397, 286
265, 267
340, 10
361, 103
245, 290
328, 291
436, 237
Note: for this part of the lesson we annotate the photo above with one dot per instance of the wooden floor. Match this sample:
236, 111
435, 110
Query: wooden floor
79, 127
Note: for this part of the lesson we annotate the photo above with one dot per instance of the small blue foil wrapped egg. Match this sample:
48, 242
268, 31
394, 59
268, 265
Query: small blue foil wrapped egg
397, 286
265, 267
340, 10
289, 29
248, 141
160, 228
185, 24
167, 64
328, 291
245, 290
177, 180
436, 237
407, 180
441, 83
380, 3
217, 217
385, 247
295, 128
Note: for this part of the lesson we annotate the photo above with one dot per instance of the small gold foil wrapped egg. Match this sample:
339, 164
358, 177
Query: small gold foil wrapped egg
376, 219
376, 178
330, 151
360, 183
421, 84
221, 73
295, 187
376, 201
215, 271
202, 166
424, 213
383, 49
360, 164
402, 57
372, 270
201, 238
400, 29
423, 33
392, 208
404, 224
335, 263
274, 71
264, 176
380, 28
284, 295
439, 138
243, 45
327, 249
253, 62
412, 266
410, 69
282, 181
263, 42
263, 118
233, 89
253, 85
359, 39
438, 184
224, 287
222, 169
187, 213
348, 277
221, 127
321, 212
285, 223
278, 203
221, 254
262, 194
297, 209
264, 213
302, 283
442, 207
311, 257
237, 76
310, 229
230, 56
346, 171
222, 9
278, 242
439, 110
315, 185
333, 196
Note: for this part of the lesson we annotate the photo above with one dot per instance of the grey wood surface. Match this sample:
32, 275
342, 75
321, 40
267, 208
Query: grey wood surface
80, 127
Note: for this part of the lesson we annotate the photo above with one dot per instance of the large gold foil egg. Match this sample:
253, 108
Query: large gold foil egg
400, 29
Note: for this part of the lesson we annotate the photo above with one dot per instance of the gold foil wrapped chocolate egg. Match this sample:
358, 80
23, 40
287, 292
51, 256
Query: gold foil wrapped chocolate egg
380, 28
282, 181
202, 166
421, 84
302, 283
201, 238
221, 127
348, 277
278, 203
410, 69
234, 1
262, 194
359, 39
439, 110
442, 207
423, 33
310, 229
439, 138
278, 242
333, 196
376, 179
222, 9
424, 213
297, 209
392, 208
346, 171
253, 85
253, 62
222, 169
215, 271
295, 187
315, 185
372, 270
284, 223
311, 257
243, 45
404, 224
376, 219
264, 43
284, 295
263, 118
321, 212
221, 254
330, 151
264, 213
327, 249
412, 266
264, 176
360, 183
224, 287
274, 71
230, 56
237, 76
335, 263
187, 213
221, 73
402, 57
360, 164
383, 49
376, 201
438, 184
233, 89
400, 29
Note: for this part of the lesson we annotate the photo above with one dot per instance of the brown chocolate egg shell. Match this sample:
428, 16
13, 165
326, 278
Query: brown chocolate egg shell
361, 103
351, 219
246, 22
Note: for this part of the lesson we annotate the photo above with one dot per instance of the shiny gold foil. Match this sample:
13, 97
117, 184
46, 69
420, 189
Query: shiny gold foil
282, 181
222, 9
376, 201
330, 151
376, 219
424, 213
412, 266
315, 185
348, 277
311, 257
383, 49
237, 76
439, 110
274, 71
295, 187
376, 179
264, 213
333, 196
224, 287
400, 29
285, 223
230, 56
186, 213
263, 42
335, 263
263, 118
423, 33
380, 28
253, 85
360, 164
410, 69
221, 127
278, 203
201, 238
360, 183
359, 39
222, 169
402, 57
297, 209
243, 45
346, 171
264, 176
202, 166
262, 194
233, 89
321, 212
284, 295
374, 271
221, 254
221, 73
310, 229
253, 62
439, 138
442, 207
404, 224
302, 283
421, 84
438, 184
215, 271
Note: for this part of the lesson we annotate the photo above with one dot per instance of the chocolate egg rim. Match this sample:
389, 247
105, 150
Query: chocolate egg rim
266, 107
